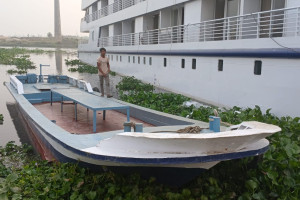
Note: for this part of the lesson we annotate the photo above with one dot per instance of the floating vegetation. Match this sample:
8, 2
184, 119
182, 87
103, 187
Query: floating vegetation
133, 85
18, 57
1, 119
81, 67
73, 62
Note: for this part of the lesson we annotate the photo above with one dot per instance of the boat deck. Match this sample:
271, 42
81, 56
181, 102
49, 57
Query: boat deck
84, 124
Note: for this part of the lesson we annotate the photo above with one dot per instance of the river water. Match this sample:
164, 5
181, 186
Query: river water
12, 129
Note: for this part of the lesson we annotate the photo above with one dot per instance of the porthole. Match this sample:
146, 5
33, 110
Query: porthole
257, 67
220, 65
194, 63
182, 63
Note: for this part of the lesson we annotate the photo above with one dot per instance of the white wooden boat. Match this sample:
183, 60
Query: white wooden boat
64, 132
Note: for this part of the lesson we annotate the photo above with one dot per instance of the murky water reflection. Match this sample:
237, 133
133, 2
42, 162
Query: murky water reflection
13, 127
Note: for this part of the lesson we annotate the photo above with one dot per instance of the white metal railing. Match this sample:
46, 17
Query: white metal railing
275, 23
83, 41
110, 9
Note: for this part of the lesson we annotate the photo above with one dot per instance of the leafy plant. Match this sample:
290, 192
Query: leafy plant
84, 69
165, 102
133, 85
112, 73
74, 62
18, 57
80, 67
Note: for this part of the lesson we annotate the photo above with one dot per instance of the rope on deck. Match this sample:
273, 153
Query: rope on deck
190, 129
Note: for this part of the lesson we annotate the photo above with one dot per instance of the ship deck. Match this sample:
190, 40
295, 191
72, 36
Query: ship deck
84, 124
114, 119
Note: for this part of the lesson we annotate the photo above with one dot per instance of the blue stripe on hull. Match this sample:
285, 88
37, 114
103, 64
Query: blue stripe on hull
246, 53
165, 175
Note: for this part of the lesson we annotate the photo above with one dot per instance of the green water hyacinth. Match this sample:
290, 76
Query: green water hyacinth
19, 58
81, 67
78, 66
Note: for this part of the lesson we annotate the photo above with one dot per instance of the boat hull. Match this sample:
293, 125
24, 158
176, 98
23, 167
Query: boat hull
171, 174
54, 143
65, 153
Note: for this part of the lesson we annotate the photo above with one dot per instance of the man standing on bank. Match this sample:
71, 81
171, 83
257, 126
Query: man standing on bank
103, 72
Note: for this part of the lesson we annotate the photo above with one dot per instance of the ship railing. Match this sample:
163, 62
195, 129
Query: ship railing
83, 41
110, 9
268, 24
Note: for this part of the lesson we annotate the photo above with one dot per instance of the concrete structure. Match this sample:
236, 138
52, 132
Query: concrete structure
221, 52
57, 21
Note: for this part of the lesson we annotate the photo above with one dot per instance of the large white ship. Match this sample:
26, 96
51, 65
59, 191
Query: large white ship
221, 52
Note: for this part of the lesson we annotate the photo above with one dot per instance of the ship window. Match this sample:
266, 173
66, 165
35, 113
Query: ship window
165, 62
129, 59
144, 60
117, 58
120, 58
139, 60
194, 63
182, 63
257, 67
112, 57
220, 65
150, 61
133, 59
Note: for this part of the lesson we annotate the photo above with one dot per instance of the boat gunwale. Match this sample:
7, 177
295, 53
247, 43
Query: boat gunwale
23, 103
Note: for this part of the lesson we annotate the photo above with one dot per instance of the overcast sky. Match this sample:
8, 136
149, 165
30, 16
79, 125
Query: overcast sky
36, 17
